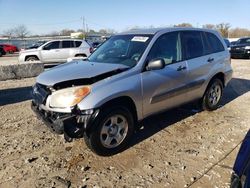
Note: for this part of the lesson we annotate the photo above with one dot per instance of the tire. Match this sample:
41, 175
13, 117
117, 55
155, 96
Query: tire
1, 54
32, 58
109, 138
212, 96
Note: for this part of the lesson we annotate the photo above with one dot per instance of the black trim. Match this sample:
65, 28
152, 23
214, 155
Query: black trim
72, 124
177, 91
228, 72
88, 81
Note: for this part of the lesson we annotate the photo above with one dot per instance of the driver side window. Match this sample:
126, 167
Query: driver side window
167, 47
52, 45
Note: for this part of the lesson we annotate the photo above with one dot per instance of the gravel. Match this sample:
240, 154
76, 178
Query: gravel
182, 147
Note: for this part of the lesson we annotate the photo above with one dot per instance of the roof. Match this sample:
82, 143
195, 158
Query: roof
153, 31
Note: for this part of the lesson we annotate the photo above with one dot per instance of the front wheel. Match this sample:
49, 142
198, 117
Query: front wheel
113, 130
32, 58
212, 96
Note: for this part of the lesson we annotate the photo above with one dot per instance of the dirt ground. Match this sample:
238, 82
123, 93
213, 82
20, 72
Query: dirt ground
178, 148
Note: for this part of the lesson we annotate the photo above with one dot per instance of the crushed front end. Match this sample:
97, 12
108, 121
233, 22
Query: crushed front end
73, 123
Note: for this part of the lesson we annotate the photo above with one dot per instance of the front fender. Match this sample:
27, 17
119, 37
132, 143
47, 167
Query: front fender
109, 89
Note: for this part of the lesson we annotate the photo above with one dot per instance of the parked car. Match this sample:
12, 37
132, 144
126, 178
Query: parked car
233, 43
56, 51
2, 51
241, 175
35, 45
241, 49
94, 45
227, 43
129, 77
9, 48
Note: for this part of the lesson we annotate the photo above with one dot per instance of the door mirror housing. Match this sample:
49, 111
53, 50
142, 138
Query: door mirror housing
45, 48
155, 64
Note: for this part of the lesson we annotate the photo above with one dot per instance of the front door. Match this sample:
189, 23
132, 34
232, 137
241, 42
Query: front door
165, 88
50, 52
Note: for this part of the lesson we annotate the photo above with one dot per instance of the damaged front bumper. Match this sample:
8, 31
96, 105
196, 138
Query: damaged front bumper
73, 124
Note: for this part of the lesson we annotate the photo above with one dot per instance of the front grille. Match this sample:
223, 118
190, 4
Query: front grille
40, 93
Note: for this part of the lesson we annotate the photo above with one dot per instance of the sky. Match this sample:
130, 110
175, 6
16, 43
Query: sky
45, 16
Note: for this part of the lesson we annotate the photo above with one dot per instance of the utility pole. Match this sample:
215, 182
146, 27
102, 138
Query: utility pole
83, 27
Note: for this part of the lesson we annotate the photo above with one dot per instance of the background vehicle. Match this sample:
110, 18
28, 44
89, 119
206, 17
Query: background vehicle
35, 45
129, 77
227, 43
241, 175
2, 51
9, 48
233, 43
56, 51
241, 49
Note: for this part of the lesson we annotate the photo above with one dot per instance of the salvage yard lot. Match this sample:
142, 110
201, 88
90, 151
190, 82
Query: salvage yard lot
178, 148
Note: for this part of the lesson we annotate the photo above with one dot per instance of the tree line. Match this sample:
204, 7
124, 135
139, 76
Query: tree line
225, 29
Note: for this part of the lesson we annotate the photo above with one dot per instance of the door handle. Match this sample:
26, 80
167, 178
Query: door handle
210, 60
180, 68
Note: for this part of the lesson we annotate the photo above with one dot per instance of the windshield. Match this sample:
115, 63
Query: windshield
37, 44
121, 49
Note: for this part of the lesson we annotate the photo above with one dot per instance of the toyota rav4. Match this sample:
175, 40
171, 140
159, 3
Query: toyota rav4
131, 76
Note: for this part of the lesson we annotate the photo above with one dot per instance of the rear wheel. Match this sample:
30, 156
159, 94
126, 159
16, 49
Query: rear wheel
113, 130
212, 96
32, 58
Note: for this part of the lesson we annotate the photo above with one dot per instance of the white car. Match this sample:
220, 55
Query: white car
56, 51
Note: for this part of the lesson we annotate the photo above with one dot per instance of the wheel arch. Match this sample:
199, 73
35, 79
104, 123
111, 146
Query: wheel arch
220, 76
119, 101
123, 101
28, 56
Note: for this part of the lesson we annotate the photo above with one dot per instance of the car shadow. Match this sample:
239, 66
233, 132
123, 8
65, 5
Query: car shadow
15, 95
156, 123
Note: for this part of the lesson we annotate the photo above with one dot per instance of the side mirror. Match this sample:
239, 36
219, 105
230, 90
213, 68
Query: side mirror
155, 64
46, 48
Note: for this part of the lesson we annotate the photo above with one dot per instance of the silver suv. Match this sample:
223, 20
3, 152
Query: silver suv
131, 76
56, 51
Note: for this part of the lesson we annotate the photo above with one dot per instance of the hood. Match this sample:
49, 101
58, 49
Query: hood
78, 73
29, 50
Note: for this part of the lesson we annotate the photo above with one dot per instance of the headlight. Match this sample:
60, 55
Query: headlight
247, 48
69, 97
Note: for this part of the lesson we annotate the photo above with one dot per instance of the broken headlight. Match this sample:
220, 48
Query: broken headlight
69, 97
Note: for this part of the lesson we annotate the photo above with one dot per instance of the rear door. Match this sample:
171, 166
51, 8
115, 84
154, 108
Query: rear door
64, 51
199, 61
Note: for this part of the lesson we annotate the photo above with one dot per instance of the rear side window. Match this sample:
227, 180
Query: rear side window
167, 47
67, 44
78, 43
192, 44
214, 43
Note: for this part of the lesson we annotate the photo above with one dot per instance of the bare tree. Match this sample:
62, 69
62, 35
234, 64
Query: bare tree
209, 26
9, 33
239, 32
54, 33
21, 31
67, 32
184, 25
223, 28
